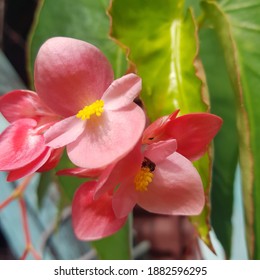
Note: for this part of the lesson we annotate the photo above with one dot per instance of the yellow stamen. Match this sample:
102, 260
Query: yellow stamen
95, 108
143, 178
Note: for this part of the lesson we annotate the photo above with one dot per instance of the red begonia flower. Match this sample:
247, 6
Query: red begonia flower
101, 122
193, 132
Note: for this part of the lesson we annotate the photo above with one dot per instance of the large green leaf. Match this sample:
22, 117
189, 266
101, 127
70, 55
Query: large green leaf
162, 45
237, 24
85, 20
226, 142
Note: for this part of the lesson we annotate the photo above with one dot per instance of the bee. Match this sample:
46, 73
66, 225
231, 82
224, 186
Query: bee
148, 163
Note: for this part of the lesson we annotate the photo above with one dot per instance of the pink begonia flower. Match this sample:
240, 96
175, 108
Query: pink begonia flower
158, 179
22, 144
101, 122
193, 132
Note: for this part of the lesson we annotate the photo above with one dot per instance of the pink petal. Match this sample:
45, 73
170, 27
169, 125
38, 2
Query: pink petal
20, 145
93, 219
193, 133
109, 139
70, 74
122, 92
176, 188
155, 131
125, 198
29, 168
19, 104
80, 172
114, 174
64, 132
157, 152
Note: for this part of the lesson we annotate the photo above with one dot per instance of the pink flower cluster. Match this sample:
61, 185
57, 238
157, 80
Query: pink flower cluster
79, 105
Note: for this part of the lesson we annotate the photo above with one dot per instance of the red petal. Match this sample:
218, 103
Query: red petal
93, 219
193, 133
19, 145
29, 168
155, 131
19, 104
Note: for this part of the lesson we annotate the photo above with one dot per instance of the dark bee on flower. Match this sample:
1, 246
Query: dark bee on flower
149, 164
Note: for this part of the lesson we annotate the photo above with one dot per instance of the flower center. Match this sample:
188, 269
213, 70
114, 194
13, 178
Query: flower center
95, 108
144, 176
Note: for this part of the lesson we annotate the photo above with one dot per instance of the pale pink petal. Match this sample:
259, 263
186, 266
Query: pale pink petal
127, 167
19, 144
70, 74
64, 132
125, 198
19, 104
80, 172
193, 133
93, 219
107, 139
155, 131
122, 92
176, 188
30, 168
159, 151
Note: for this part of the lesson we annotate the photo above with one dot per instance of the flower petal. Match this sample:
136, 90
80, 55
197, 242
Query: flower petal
64, 132
93, 219
30, 168
20, 145
159, 151
155, 131
193, 133
52, 161
19, 104
122, 92
110, 140
125, 198
70, 74
80, 172
176, 188
114, 174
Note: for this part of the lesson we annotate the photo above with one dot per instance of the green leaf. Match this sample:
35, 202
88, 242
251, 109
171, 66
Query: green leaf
162, 45
83, 19
226, 141
237, 24
114, 246
43, 186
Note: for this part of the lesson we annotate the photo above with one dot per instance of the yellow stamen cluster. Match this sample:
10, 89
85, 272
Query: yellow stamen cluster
95, 108
143, 178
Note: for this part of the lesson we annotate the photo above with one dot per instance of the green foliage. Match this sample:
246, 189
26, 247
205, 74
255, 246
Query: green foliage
237, 24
